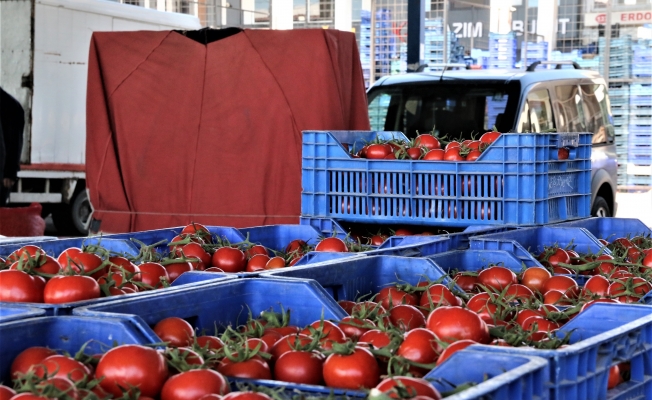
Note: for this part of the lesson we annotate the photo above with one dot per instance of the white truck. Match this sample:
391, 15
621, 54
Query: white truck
44, 64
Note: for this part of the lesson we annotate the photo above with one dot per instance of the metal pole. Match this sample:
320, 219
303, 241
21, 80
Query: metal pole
372, 45
525, 36
416, 19
607, 43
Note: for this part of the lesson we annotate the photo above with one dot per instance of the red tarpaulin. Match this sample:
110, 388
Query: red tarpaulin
181, 131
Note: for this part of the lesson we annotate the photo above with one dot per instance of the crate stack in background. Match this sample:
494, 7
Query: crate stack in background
495, 107
639, 166
433, 48
534, 52
619, 96
502, 50
620, 57
385, 44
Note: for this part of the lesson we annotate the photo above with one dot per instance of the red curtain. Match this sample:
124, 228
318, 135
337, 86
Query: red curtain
179, 131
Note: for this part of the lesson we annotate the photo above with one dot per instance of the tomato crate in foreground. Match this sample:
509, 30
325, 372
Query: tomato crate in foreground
363, 277
55, 247
67, 333
518, 180
9, 312
602, 336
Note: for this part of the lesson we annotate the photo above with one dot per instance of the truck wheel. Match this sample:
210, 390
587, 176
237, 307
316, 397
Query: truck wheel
600, 208
73, 218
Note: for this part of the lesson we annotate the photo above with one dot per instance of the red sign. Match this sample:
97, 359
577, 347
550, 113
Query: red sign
601, 18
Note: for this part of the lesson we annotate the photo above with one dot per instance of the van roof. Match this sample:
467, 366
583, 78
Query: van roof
501, 75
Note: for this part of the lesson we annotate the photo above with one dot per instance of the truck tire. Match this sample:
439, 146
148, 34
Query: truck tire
72, 219
600, 208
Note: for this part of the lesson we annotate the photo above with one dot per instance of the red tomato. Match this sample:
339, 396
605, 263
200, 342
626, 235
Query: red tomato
62, 367
207, 342
453, 154
288, 343
175, 331
451, 145
256, 249
153, 274
69, 288
6, 392
564, 284
25, 253
434, 155
29, 357
18, 286
300, 367
519, 292
198, 230
347, 305
134, 366
413, 386
46, 265
246, 396
482, 305
275, 263
376, 337
563, 153
394, 296
453, 348
535, 278
414, 153
358, 370
615, 378
197, 251
420, 345
253, 368
556, 297
555, 256
229, 259
455, 323
330, 332
489, 137
497, 278
406, 317
542, 324
354, 327
438, 295
88, 264
596, 286
175, 269
465, 281
257, 262
333, 245
194, 384
473, 155
378, 151
428, 141
297, 245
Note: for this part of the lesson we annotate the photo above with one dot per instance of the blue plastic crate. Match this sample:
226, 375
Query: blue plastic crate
601, 336
25, 239
524, 242
610, 228
517, 180
642, 69
67, 308
513, 377
55, 247
68, 333
475, 260
638, 139
10, 312
640, 129
225, 303
639, 180
351, 279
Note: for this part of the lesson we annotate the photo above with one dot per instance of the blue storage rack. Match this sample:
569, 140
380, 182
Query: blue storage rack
66, 334
517, 180
601, 336
524, 242
353, 278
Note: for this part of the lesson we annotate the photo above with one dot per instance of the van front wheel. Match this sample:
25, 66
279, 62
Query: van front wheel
600, 208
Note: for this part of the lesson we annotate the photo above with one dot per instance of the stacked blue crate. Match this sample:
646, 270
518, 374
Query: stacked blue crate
639, 168
642, 66
502, 50
494, 107
619, 97
620, 57
384, 43
534, 52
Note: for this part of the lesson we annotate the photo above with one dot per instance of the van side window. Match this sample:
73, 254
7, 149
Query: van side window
596, 112
569, 109
536, 115
378, 111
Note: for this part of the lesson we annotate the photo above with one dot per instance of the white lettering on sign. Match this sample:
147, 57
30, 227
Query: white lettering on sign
467, 29
620, 17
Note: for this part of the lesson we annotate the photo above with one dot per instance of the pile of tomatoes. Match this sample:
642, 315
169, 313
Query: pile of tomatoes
427, 147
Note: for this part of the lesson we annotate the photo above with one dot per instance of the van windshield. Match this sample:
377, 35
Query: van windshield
456, 109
